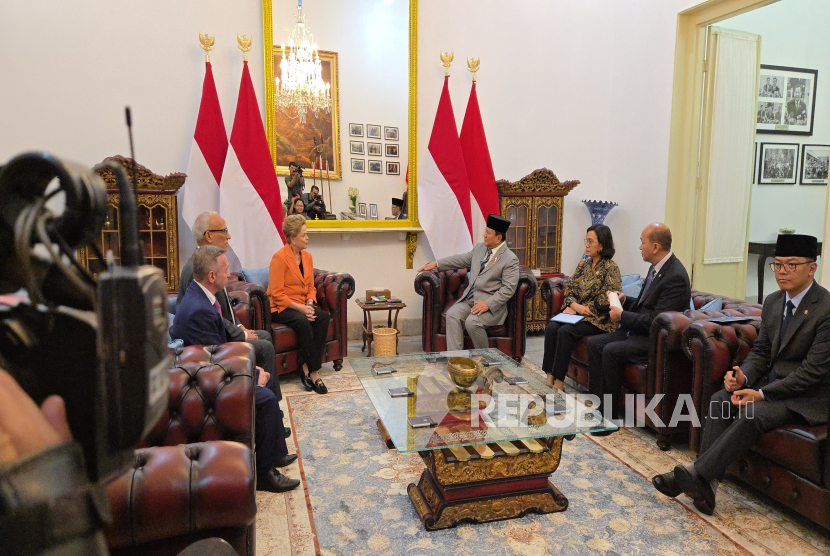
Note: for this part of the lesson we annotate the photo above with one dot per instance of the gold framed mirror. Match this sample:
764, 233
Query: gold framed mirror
376, 156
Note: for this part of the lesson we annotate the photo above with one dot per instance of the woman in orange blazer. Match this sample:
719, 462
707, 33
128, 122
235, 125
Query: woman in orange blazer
293, 297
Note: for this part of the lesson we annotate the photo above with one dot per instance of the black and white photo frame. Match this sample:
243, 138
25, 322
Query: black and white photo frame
373, 131
375, 166
814, 162
356, 147
778, 164
358, 165
786, 100
356, 130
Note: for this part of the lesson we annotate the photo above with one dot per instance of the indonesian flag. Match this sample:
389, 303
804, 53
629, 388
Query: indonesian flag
250, 192
484, 196
207, 155
443, 189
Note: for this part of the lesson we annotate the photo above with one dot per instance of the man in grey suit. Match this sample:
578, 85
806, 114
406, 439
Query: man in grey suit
494, 277
786, 376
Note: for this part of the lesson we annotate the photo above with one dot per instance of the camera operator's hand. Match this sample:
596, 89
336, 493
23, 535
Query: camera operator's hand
25, 428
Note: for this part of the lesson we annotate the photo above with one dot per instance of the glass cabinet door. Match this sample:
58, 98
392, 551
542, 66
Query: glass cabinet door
518, 212
548, 229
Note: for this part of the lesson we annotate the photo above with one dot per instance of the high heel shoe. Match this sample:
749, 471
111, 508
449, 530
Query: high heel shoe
306, 381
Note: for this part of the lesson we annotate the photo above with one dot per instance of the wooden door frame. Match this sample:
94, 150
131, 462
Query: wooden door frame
687, 93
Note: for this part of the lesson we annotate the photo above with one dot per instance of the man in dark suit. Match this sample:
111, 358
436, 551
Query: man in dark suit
785, 377
796, 109
199, 321
397, 209
210, 229
666, 288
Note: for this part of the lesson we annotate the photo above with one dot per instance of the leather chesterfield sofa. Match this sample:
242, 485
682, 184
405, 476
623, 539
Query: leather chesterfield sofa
193, 475
790, 464
668, 371
441, 289
253, 310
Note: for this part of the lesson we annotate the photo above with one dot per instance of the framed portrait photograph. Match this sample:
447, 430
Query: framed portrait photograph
356, 130
373, 212
393, 168
356, 147
754, 162
358, 165
375, 149
391, 133
375, 166
373, 131
814, 159
361, 209
778, 163
786, 100
391, 150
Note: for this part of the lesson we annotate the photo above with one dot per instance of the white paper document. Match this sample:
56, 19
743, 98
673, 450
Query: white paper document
614, 300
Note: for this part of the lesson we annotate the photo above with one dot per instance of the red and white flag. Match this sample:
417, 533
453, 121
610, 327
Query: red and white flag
207, 155
250, 192
484, 196
443, 189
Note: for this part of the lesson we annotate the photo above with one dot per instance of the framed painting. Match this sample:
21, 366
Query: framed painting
316, 139
393, 168
391, 149
786, 100
778, 163
358, 165
356, 130
372, 131
391, 133
356, 147
375, 149
375, 166
814, 160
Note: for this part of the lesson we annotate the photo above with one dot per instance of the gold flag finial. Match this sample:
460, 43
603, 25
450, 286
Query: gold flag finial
207, 44
244, 44
446, 61
472, 66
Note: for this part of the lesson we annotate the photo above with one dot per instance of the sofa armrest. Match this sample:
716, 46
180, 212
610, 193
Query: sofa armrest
211, 397
174, 491
553, 293
334, 289
428, 286
251, 304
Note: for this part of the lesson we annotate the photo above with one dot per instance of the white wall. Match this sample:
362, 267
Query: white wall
371, 39
794, 34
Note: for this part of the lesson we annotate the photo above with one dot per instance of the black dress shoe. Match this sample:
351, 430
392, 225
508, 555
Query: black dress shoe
274, 481
320, 387
306, 381
666, 484
697, 488
287, 460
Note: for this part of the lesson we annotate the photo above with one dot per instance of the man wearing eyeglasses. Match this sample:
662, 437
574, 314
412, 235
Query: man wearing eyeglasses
785, 377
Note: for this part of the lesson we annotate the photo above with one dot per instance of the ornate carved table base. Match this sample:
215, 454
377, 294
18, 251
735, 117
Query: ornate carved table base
491, 485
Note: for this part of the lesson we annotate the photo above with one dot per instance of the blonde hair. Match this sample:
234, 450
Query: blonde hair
292, 225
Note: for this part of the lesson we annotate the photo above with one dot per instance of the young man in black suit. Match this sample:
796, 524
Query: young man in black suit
786, 376
666, 288
199, 321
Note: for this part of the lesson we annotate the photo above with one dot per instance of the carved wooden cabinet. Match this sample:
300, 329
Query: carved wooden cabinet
534, 206
157, 222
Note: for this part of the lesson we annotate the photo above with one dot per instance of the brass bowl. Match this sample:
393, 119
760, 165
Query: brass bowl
463, 371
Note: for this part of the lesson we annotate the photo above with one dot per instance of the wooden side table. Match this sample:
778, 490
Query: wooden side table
367, 320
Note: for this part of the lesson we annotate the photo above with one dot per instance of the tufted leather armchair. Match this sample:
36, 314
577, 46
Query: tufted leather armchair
790, 464
333, 291
669, 371
441, 289
193, 475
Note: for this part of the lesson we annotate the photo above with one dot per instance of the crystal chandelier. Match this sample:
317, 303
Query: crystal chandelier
302, 88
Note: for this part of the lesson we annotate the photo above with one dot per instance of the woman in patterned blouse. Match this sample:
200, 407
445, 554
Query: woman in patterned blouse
585, 294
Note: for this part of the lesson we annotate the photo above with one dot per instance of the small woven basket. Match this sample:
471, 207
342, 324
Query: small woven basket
386, 341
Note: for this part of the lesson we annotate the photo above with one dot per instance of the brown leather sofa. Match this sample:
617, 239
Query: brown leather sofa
790, 464
441, 289
668, 371
193, 475
253, 310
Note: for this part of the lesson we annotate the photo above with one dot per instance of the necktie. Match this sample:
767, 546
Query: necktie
784, 324
218, 307
649, 280
480, 270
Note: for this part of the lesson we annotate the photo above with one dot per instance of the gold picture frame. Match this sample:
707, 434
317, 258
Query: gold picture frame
341, 226
296, 142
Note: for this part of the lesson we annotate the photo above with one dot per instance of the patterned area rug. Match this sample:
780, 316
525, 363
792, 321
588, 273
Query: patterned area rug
355, 499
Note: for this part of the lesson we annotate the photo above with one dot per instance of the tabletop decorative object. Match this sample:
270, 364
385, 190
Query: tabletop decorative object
353, 191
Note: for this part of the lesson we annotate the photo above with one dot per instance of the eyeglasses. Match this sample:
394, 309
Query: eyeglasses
589, 242
223, 230
790, 267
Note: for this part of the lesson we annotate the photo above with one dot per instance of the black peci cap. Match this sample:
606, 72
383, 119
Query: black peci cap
498, 224
796, 245
397, 202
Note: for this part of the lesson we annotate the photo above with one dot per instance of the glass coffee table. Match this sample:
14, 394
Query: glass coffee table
489, 445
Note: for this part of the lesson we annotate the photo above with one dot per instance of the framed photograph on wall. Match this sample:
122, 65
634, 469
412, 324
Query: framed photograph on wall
375, 149
375, 166
361, 209
373, 131
391, 149
786, 100
391, 133
356, 130
754, 162
358, 165
778, 163
373, 212
356, 147
814, 160
393, 168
